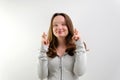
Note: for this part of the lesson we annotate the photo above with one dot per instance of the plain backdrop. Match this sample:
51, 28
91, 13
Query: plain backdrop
23, 21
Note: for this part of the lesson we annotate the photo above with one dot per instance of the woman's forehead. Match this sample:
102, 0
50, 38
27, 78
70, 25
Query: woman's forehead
59, 19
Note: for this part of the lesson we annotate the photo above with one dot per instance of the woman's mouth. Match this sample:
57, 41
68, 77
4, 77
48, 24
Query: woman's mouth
60, 32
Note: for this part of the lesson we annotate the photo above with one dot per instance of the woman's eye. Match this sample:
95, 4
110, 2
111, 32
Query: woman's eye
63, 24
55, 25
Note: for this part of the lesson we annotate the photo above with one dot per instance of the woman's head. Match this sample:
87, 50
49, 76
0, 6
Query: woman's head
60, 27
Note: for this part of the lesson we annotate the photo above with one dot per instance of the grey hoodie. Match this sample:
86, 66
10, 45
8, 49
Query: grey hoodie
62, 68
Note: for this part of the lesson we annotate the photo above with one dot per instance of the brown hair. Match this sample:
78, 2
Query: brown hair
53, 40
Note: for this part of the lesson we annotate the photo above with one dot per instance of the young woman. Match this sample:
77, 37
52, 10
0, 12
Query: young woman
62, 54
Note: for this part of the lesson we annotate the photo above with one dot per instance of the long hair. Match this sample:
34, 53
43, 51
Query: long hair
53, 39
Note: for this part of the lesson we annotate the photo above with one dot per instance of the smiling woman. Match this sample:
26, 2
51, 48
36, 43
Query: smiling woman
59, 27
62, 54
22, 21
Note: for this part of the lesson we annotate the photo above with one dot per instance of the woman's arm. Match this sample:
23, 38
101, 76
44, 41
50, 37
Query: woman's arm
43, 63
80, 59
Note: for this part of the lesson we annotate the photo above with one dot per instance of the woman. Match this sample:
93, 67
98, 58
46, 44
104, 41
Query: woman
62, 54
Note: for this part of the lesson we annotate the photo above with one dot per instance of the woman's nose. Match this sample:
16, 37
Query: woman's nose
59, 27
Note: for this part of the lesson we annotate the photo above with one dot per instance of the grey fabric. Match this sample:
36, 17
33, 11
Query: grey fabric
62, 68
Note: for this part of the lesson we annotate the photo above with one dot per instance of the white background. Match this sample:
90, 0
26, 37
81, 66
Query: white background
23, 21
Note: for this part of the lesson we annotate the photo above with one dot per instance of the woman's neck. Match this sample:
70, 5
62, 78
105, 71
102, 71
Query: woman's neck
61, 42
61, 47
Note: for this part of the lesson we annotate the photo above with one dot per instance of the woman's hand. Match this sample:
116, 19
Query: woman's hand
45, 41
76, 35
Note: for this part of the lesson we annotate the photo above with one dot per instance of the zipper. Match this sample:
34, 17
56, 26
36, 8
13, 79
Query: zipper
60, 68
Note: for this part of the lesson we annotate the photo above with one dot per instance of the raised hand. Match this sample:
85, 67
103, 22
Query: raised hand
45, 41
76, 35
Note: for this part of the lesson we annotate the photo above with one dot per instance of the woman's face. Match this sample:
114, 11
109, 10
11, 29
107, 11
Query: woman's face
60, 29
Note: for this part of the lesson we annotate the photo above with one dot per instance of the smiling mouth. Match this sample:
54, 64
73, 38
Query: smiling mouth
60, 32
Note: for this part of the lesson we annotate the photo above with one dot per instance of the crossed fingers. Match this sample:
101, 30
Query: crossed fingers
76, 35
45, 41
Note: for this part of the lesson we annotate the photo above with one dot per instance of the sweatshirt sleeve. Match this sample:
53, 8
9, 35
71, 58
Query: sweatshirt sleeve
80, 59
43, 63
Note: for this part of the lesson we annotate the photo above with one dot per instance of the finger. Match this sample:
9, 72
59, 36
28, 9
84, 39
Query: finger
75, 31
45, 42
73, 37
44, 35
